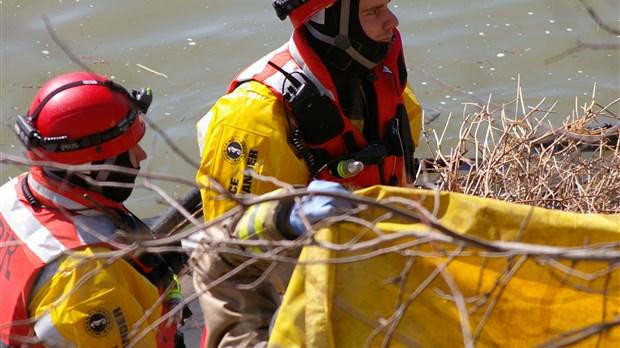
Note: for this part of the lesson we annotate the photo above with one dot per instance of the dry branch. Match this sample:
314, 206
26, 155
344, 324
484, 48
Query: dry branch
519, 159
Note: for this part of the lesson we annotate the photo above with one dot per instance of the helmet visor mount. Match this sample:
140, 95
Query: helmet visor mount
31, 137
299, 11
285, 7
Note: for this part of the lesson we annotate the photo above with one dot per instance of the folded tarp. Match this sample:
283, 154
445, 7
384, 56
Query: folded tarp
522, 277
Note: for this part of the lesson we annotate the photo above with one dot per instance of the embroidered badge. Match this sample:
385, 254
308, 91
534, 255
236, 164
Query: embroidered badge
98, 322
234, 150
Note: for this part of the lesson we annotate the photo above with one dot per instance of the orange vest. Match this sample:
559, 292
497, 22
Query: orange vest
297, 58
32, 238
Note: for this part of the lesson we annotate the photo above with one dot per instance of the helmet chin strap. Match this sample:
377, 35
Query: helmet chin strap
103, 175
342, 40
118, 194
115, 193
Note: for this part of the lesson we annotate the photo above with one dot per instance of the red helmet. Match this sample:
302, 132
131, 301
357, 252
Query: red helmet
299, 10
83, 117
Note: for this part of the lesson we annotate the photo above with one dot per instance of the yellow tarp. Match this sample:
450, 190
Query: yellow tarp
401, 298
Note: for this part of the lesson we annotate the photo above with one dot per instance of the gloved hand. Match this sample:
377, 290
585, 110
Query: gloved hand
316, 207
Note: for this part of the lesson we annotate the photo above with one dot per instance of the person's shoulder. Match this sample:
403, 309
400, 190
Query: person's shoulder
253, 88
252, 96
84, 255
247, 94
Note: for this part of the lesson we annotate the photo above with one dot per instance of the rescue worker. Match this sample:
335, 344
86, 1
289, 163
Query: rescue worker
65, 279
332, 107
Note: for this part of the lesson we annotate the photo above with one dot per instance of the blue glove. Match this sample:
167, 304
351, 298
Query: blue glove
317, 208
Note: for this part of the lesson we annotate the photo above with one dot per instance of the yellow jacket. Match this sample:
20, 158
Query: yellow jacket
111, 296
250, 121
62, 284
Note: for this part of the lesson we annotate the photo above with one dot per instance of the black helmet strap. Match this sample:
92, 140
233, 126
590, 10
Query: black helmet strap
342, 40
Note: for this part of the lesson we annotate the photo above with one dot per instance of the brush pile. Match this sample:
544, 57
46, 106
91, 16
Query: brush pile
519, 157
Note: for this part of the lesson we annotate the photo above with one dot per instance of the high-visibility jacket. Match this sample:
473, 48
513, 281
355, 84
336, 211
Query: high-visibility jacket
54, 289
248, 129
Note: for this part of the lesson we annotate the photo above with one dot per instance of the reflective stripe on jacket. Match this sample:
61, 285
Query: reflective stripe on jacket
36, 237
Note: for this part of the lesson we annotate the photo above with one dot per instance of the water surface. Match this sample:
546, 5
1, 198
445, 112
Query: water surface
187, 51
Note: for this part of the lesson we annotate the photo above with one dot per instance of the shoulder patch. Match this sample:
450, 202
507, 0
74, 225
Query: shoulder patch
234, 150
98, 322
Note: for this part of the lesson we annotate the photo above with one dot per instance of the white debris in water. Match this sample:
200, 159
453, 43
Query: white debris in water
46, 52
501, 55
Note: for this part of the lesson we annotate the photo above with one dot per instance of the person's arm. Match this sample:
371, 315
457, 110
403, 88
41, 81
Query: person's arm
93, 302
246, 129
240, 316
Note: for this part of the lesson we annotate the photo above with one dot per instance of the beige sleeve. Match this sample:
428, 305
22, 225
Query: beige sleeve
235, 316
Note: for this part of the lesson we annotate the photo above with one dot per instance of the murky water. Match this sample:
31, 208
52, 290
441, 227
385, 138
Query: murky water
187, 51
